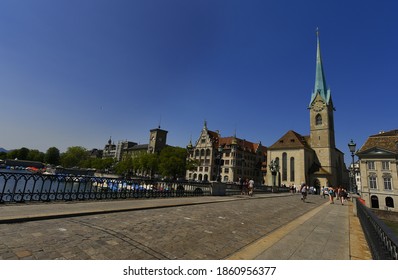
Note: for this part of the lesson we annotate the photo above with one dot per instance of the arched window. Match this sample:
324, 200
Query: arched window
196, 153
284, 167
208, 152
318, 119
202, 153
389, 202
374, 201
292, 169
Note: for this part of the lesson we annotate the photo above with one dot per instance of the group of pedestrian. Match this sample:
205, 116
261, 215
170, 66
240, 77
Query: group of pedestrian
246, 186
338, 193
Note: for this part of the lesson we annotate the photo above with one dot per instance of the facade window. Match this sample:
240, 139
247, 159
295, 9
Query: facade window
374, 201
385, 165
387, 183
371, 165
226, 170
292, 169
389, 202
373, 181
203, 140
284, 167
318, 120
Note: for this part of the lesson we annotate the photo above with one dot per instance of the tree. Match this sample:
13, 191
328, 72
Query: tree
23, 153
74, 157
35, 155
52, 156
124, 167
172, 162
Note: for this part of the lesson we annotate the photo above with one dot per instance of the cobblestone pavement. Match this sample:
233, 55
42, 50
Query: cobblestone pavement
206, 231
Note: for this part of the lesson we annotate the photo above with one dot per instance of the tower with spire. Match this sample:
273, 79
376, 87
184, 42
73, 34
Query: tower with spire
313, 159
321, 118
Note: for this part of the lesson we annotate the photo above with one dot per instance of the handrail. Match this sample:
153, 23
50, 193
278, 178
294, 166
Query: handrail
382, 241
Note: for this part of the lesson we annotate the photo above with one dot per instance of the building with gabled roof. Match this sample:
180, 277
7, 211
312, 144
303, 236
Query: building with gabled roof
228, 158
314, 159
378, 159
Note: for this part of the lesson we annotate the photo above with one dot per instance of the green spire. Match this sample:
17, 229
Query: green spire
320, 81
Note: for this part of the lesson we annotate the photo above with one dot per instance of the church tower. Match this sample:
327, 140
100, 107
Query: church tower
321, 119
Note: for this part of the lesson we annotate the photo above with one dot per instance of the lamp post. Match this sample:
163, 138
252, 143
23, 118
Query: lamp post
352, 147
219, 163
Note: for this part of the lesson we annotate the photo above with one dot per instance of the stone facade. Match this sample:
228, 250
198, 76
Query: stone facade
228, 158
378, 159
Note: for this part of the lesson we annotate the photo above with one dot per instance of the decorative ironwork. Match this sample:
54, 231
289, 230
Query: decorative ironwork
24, 187
382, 241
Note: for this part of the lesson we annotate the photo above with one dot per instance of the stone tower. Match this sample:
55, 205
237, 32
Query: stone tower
157, 140
321, 120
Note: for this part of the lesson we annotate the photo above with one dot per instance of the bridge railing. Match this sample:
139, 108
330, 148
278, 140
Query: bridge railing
24, 186
382, 241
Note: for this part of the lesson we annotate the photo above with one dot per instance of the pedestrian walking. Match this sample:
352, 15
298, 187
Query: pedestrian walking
331, 195
343, 195
240, 182
251, 187
304, 191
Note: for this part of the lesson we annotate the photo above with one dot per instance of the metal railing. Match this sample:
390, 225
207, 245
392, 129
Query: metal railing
25, 187
382, 241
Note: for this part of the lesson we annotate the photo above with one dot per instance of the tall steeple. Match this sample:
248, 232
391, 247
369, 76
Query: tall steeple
320, 81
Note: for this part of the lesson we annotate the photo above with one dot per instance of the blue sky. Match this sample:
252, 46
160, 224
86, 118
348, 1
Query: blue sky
75, 72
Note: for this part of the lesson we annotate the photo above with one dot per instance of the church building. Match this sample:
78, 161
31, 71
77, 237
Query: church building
313, 159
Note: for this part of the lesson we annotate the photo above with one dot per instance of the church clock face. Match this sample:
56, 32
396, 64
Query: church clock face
318, 106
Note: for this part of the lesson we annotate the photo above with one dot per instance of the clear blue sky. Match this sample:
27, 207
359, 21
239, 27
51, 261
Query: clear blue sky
74, 72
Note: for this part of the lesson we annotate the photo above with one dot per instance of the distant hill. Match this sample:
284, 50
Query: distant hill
3, 150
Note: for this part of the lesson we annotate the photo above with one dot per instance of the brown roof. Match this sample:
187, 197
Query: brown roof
243, 144
385, 140
291, 140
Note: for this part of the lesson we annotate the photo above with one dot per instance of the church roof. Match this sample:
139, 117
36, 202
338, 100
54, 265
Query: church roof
320, 80
384, 140
291, 140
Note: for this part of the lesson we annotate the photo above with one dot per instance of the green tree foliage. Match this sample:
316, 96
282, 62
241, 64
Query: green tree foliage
52, 156
25, 154
172, 162
124, 167
74, 157
35, 155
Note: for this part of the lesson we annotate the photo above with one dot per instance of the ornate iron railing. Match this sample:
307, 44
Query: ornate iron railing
382, 241
24, 187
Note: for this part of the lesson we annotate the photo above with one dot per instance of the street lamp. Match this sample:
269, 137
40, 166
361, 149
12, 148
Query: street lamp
219, 163
352, 147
